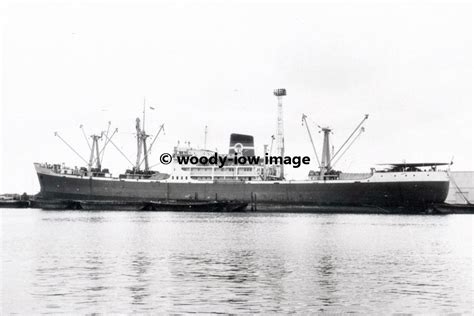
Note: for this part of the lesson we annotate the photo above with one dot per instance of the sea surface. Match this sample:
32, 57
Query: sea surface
152, 262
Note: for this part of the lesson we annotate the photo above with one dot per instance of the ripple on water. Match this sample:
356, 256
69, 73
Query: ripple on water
119, 262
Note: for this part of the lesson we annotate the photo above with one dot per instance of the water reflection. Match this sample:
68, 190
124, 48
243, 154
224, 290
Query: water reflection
325, 271
140, 278
119, 262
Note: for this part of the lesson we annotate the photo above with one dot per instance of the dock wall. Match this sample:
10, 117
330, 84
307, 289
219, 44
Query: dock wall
465, 182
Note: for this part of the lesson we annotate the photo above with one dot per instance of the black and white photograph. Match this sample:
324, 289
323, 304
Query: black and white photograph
236, 157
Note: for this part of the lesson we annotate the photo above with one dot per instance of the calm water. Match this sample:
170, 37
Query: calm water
122, 262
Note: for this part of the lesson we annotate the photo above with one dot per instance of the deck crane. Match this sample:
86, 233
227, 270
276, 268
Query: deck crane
303, 120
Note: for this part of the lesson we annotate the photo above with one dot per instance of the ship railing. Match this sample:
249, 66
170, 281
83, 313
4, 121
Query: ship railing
354, 176
398, 170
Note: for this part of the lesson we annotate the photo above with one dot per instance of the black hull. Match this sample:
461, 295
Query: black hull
163, 206
259, 196
14, 204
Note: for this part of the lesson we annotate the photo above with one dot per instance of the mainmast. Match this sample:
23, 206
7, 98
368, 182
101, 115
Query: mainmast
145, 151
139, 144
326, 155
280, 138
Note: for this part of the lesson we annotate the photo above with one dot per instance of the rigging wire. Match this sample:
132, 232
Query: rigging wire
116, 147
85, 136
303, 119
361, 130
103, 148
352, 134
70, 147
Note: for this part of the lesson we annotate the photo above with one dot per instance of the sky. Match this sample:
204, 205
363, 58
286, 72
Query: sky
66, 63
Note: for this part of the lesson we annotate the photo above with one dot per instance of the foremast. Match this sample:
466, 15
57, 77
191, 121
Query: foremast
141, 144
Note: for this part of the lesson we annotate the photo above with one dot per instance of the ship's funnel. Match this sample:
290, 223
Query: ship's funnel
241, 144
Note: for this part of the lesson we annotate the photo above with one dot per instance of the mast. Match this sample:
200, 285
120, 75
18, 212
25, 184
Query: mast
145, 151
162, 128
144, 137
144, 103
326, 155
98, 163
94, 152
280, 138
139, 143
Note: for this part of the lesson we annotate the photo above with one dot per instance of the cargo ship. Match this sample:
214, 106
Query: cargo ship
391, 187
